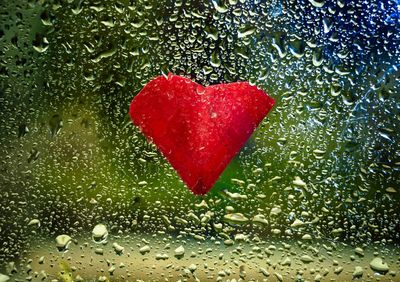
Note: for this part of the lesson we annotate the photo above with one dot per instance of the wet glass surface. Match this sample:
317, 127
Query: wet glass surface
314, 194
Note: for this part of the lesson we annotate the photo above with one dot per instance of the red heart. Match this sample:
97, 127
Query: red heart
198, 129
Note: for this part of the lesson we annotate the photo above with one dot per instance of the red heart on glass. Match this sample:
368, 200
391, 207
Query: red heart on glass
198, 129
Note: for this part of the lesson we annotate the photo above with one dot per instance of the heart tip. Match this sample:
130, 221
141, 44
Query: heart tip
200, 189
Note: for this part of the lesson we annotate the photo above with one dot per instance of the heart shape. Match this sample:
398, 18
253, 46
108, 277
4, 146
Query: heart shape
198, 129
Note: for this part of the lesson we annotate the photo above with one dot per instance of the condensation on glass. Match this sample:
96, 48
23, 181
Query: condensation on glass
314, 194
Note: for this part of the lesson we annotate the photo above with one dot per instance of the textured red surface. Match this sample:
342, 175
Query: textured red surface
198, 129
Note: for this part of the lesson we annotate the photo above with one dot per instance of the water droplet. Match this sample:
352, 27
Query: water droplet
63, 242
100, 233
